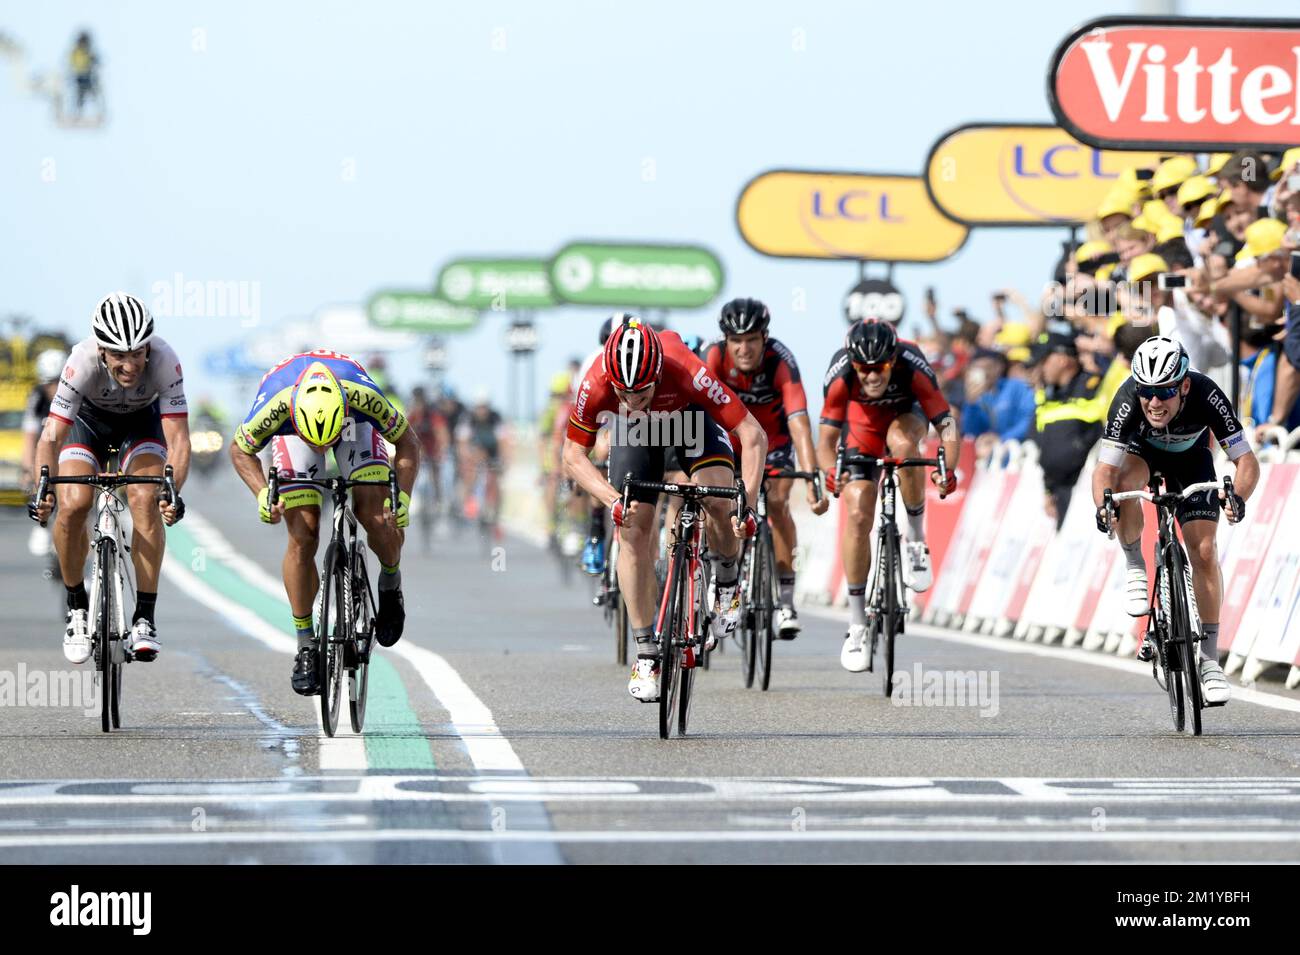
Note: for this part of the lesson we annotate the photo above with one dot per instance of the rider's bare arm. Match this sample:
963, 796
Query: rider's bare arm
578, 466
753, 454
176, 432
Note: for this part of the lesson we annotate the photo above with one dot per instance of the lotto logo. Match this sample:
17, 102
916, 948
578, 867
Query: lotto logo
715, 390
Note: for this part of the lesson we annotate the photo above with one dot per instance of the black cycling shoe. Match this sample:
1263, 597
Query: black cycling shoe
391, 617
1147, 652
304, 672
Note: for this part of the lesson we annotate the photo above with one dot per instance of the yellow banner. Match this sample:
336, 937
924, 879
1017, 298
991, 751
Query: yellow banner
1023, 175
831, 215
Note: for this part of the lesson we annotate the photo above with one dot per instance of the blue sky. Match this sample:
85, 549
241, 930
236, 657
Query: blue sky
324, 150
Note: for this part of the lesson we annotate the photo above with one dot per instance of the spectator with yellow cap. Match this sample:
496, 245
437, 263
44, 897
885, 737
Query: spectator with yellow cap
1067, 419
1215, 164
1169, 176
1116, 211
1207, 342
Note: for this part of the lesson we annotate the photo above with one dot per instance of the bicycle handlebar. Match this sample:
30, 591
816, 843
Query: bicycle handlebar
814, 476
332, 484
109, 481
688, 491
1169, 496
940, 461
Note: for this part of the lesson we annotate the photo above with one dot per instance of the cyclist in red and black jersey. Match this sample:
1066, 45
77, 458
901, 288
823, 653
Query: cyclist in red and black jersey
765, 375
888, 396
663, 399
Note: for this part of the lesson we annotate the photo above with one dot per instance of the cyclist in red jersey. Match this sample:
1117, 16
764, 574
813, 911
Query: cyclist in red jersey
765, 375
642, 372
888, 395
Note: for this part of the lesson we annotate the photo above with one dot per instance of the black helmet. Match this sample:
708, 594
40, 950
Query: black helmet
741, 316
606, 327
871, 342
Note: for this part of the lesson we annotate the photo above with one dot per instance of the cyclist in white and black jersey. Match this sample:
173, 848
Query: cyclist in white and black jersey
122, 389
1161, 420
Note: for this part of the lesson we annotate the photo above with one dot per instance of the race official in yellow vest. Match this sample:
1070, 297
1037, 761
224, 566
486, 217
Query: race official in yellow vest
1068, 419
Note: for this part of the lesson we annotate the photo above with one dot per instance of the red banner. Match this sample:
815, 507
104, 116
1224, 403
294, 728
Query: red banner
1179, 83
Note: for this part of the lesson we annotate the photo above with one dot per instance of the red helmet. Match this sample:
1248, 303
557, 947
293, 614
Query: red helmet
634, 355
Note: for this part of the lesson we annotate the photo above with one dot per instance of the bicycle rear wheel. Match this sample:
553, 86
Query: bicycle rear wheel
763, 631
363, 632
671, 640
889, 621
330, 630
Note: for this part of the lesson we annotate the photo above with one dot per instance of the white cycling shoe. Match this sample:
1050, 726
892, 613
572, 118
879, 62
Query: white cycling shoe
644, 684
76, 637
916, 567
1214, 685
853, 656
726, 613
787, 623
1135, 592
142, 641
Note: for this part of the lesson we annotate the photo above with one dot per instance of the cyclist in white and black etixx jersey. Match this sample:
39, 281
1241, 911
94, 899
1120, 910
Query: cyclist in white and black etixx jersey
122, 390
1161, 420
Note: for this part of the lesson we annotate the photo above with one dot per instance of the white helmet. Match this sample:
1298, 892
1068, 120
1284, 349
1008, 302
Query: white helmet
1159, 361
121, 322
49, 365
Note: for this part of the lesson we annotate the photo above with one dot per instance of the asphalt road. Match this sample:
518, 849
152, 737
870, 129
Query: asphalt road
500, 730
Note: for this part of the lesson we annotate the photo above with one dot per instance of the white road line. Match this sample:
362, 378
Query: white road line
345, 753
1007, 645
552, 837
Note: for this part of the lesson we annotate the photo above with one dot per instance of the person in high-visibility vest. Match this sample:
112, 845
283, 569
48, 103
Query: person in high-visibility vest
1067, 419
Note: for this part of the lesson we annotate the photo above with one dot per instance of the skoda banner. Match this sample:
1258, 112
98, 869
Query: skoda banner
418, 312
874, 299
496, 284
636, 276
1179, 83
836, 215
1026, 174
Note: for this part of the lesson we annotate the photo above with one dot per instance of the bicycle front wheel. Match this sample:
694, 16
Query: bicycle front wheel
363, 633
764, 633
671, 640
109, 672
1171, 649
1189, 640
745, 628
330, 631
889, 625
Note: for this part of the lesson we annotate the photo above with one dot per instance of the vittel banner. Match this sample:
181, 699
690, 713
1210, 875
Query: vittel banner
1179, 83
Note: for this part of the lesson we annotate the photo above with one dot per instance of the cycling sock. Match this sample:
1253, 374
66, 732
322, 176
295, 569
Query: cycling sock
725, 570
915, 522
144, 605
78, 599
596, 526
645, 638
390, 578
1210, 641
787, 589
1133, 554
858, 604
302, 628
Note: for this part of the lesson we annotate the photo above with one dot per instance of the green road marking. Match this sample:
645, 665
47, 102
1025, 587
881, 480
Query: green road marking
393, 736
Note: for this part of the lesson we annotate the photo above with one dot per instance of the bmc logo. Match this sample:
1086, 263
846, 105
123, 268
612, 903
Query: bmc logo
716, 391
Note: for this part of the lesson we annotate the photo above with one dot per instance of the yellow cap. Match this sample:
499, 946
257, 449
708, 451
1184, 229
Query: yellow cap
1173, 172
1211, 207
1128, 181
1194, 190
1116, 320
1169, 229
561, 383
1092, 250
1146, 265
1013, 335
1154, 214
1119, 201
1217, 162
1262, 237
1103, 273
1020, 353
1289, 159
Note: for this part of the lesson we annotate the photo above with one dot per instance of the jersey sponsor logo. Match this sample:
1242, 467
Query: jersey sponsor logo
836, 369
177, 402
270, 420
715, 390
1219, 403
750, 398
583, 394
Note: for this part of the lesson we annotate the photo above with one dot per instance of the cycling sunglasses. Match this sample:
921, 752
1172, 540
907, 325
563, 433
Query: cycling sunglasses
1147, 392
880, 366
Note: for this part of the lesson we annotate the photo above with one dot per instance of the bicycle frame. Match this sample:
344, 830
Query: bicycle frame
1173, 600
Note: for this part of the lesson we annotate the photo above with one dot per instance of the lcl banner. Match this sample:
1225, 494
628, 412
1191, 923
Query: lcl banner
1023, 174
838, 215
1179, 83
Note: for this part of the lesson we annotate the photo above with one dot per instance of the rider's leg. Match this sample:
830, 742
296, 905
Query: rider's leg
301, 578
1207, 579
148, 540
71, 534
906, 435
784, 536
859, 502
636, 577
